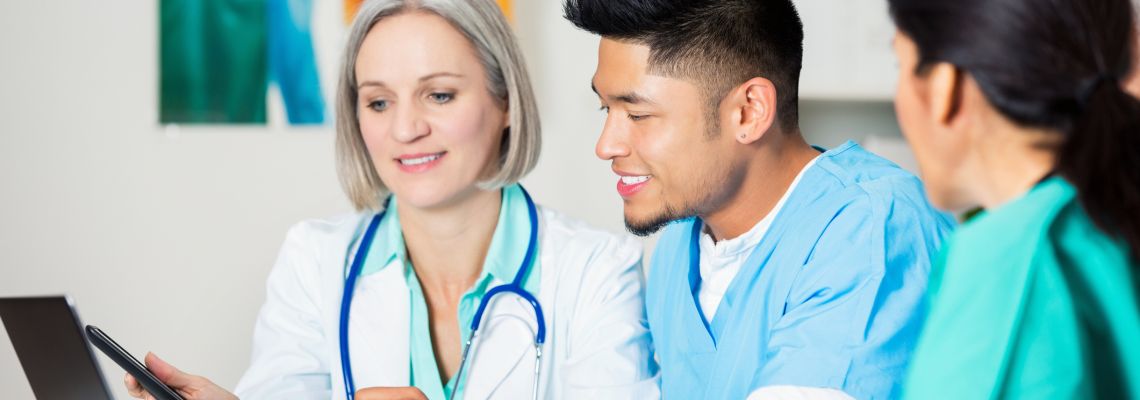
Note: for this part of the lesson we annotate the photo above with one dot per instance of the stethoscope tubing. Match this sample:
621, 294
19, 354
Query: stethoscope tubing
514, 287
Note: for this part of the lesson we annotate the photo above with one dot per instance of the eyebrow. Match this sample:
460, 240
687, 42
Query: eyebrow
627, 97
422, 79
440, 75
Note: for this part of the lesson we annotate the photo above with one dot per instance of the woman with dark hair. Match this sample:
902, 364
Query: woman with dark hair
1018, 106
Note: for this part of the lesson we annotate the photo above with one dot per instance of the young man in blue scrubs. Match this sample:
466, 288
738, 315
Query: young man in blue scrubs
784, 269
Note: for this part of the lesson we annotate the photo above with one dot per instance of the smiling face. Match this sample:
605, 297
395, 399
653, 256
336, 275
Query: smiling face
672, 161
432, 128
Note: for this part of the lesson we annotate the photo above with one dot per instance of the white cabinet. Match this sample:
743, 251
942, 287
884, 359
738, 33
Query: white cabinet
847, 50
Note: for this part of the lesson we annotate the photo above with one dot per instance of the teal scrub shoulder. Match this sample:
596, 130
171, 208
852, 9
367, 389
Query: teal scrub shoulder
1013, 297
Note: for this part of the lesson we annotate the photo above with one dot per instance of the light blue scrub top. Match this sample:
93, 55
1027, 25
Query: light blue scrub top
508, 245
832, 296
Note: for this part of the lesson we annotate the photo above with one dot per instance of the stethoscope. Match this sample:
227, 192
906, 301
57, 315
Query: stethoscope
514, 287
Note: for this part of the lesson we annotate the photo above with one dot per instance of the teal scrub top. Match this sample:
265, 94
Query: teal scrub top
831, 297
504, 256
1031, 300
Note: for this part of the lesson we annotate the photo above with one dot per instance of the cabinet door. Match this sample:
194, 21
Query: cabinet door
847, 50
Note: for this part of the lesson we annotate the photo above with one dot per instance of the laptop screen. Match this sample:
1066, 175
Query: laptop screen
49, 342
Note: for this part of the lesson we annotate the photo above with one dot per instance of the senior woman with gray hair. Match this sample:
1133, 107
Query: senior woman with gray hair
436, 122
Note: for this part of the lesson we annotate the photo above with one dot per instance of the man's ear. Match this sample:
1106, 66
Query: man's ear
753, 109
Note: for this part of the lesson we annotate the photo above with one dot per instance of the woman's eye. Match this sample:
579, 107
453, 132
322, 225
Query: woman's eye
378, 105
634, 117
604, 109
441, 98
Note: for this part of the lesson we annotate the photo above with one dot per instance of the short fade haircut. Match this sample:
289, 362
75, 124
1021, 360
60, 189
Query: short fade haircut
717, 44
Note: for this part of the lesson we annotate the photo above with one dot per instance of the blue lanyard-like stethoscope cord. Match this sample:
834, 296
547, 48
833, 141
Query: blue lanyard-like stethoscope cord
514, 287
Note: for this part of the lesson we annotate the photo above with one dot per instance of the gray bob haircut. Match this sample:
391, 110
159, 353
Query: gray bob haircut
487, 29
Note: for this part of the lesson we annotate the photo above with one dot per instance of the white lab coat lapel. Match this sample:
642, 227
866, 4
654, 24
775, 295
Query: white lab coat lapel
334, 260
501, 358
379, 329
379, 320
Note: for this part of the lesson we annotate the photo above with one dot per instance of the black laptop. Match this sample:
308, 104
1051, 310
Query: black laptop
49, 341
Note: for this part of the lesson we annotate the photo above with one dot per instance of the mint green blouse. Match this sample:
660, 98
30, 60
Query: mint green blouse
1031, 300
504, 256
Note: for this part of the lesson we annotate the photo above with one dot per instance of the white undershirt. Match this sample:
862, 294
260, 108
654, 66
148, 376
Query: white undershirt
719, 264
720, 261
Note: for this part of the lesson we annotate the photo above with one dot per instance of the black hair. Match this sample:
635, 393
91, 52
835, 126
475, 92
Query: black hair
718, 44
1052, 64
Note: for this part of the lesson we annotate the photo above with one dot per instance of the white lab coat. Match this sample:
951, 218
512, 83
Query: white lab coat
591, 292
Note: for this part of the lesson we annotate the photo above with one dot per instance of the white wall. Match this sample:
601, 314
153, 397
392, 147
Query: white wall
164, 240
847, 52
164, 237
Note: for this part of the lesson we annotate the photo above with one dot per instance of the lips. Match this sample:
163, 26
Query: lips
416, 163
629, 185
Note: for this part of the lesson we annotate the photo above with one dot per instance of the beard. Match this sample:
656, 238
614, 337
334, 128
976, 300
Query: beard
652, 225
708, 196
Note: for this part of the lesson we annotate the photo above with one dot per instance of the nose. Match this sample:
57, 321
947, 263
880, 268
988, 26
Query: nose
613, 142
409, 124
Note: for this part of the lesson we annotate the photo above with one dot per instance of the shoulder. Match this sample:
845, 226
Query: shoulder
880, 183
1015, 237
1077, 238
1014, 231
872, 194
574, 245
332, 226
998, 274
869, 218
852, 165
565, 233
317, 242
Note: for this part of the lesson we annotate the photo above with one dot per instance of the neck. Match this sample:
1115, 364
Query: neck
1010, 162
447, 245
769, 171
